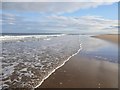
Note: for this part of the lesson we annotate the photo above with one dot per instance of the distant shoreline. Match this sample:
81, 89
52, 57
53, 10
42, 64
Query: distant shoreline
109, 37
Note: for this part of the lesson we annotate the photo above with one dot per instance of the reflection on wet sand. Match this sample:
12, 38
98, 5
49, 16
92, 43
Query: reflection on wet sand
94, 67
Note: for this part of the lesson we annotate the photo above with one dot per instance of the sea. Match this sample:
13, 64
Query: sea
27, 59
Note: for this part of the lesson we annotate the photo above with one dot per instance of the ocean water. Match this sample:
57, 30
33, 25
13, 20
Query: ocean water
27, 60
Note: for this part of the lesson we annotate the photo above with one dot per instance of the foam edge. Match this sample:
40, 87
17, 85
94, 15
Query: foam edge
80, 48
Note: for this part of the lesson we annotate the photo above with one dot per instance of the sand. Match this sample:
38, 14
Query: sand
85, 72
108, 37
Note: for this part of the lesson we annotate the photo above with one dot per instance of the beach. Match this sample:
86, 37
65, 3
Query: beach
92, 67
108, 37
58, 61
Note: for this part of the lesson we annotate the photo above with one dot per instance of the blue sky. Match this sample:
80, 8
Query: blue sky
59, 17
106, 11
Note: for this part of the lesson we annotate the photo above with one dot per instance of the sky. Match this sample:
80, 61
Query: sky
59, 17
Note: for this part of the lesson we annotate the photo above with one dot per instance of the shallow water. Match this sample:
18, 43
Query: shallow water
100, 49
27, 61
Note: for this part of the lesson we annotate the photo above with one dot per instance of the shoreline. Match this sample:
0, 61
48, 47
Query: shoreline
58, 67
88, 73
83, 72
108, 37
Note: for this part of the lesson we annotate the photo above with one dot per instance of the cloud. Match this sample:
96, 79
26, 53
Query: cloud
58, 23
51, 7
12, 19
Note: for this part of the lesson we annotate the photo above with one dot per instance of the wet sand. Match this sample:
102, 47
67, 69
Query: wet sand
108, 37
84, 72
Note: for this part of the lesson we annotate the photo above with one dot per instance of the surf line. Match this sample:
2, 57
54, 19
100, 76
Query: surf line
80, 48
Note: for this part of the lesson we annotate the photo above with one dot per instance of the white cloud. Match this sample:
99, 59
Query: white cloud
84, 24
57, 23
51, 7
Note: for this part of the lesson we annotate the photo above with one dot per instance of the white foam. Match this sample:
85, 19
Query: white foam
37, 63
59, 66
20, 37
48, 39
2, 38
24, 69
